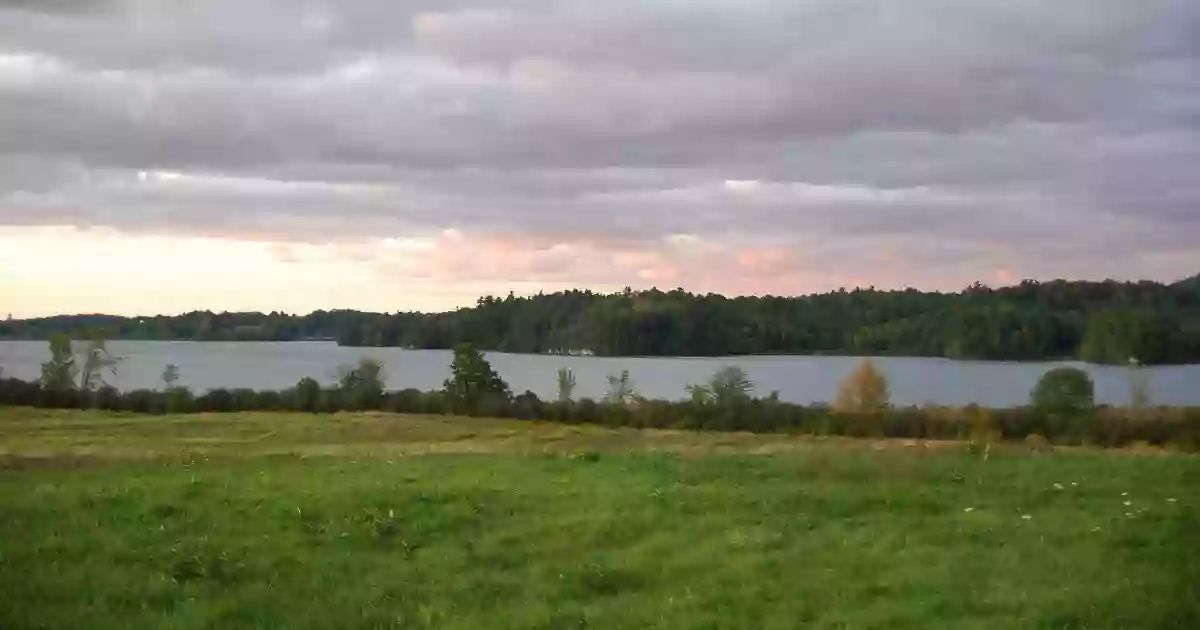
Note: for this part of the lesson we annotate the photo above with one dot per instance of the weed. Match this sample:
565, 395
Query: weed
1038, 444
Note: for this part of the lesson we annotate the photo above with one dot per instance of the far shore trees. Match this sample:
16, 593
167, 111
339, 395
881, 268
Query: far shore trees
1094, 321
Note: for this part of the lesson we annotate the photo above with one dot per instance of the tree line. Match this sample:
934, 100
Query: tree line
1104, 322
1061, 410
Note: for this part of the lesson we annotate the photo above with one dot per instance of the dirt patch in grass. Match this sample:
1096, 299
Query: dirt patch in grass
51, 462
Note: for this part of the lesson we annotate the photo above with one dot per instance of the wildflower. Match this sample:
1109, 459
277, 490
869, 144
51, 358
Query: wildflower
1074, 484
970, 509
1026, 517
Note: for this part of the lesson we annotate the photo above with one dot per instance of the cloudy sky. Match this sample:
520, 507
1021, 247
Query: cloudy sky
162, 156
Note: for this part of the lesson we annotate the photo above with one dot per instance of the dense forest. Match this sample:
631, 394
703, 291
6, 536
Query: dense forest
1096, 321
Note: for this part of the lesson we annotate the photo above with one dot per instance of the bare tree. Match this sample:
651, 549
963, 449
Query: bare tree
566, 384
170, 376
620, 389
96, 361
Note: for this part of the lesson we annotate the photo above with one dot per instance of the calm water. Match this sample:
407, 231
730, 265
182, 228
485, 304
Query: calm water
799, 379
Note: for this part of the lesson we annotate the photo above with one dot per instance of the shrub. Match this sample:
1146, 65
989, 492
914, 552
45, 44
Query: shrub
434, 403
405, 401
269, 400
984, 431
308, 394
1178, 428
361, 387
217, 400
144, 401
1018, 422
865, 390
107, 397
558, 411
180, 400
328, 401
1065, 397
244, 399
1038, 444
19, 393
657, 414
60, 399
492, 405
615, 414
527, 406
1187, 435
1064, 391
586, 411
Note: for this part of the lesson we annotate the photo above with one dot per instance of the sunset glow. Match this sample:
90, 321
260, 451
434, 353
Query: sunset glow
414, 156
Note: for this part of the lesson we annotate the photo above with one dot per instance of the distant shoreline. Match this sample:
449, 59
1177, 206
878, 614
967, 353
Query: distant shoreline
1105, 323
762, 355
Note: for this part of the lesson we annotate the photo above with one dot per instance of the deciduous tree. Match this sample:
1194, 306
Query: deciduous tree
58, 374
865, 390
1064, 392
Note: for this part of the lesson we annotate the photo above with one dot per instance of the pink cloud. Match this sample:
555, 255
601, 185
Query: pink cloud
583, 260
1003, 276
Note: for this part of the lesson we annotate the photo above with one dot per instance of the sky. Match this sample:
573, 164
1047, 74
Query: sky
160, 157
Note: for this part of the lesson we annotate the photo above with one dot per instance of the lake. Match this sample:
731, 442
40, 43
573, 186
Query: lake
913, 381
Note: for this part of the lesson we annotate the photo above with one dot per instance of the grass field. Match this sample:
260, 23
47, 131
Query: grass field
375, 521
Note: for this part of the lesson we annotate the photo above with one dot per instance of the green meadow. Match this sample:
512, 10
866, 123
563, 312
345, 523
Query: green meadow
275, 520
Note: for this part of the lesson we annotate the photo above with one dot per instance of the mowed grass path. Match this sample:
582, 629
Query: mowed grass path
281, 521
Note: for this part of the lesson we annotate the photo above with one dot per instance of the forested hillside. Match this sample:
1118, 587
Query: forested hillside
1095, 321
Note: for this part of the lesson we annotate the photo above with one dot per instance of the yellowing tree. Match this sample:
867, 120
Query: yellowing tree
864, 391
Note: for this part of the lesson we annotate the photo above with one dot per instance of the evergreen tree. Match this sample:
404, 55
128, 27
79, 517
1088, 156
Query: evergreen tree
472, 381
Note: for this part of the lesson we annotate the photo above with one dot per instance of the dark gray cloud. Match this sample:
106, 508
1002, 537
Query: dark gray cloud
932, 129
54, 6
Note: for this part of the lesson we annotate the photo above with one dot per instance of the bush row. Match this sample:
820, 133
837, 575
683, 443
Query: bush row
1106, 426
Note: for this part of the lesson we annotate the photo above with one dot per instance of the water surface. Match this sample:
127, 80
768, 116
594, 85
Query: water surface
913, 381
